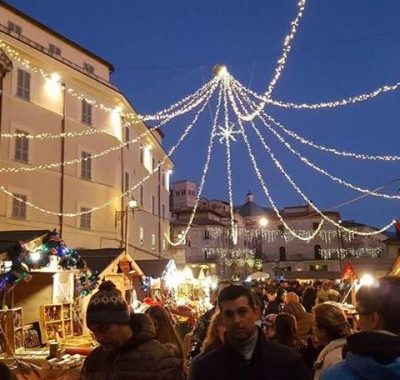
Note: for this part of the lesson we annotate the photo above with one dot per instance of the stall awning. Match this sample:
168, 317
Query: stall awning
106, 259
153, 268
9, 238
99, 259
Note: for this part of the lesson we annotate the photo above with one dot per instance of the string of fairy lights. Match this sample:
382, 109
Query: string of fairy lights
182, 237
316, 167
363, 156
292, 182
287, 46
122, 195
248, 108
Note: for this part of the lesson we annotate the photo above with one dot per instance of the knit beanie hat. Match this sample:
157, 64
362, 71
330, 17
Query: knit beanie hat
107, 306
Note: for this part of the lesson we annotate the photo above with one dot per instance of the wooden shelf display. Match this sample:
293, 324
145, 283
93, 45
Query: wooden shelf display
11, 331
56, 321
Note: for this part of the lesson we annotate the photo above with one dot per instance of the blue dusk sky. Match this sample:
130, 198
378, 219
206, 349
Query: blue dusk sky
164, 50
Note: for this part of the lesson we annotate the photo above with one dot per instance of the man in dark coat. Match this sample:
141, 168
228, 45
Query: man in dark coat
246, 354
128, 347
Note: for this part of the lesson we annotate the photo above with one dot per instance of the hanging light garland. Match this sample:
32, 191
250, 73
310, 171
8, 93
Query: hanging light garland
307, 161
177, 109
210, 146
298, 190
124, 194
237, 86
228, 136
287, 46
52, 165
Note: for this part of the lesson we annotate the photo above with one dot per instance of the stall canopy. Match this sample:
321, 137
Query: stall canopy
9, 238
104, 260
153, 268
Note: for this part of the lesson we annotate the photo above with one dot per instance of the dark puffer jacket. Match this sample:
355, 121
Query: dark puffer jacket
141, 358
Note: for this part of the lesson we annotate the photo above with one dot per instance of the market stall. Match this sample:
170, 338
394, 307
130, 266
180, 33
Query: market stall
113, 264
40, 281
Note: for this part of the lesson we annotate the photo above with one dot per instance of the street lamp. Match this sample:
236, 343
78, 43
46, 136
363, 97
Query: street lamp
132, 206
263, 222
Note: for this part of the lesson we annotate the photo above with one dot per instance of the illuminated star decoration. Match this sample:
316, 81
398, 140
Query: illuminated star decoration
228, 133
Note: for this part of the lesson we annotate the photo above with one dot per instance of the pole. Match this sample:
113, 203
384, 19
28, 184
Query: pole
62, 178
127, 229
159, 212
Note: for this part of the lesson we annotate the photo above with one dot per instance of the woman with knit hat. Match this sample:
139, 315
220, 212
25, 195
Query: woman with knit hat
128, 348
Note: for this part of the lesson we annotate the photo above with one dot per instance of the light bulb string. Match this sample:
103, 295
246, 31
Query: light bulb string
92, 131
229, 166
263, 184
312, 165
287, 46
363, 156
52, 165
122, 195
16, 56
300, 192
204, 174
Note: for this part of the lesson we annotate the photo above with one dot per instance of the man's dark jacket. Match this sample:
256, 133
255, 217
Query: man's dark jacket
141, 358
270, 361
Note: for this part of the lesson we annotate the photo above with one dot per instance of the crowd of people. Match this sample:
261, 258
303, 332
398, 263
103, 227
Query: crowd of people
268, 331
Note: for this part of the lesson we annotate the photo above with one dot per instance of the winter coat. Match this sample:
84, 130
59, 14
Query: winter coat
329, 356
141, 358
304, 320
370, 356
270, 361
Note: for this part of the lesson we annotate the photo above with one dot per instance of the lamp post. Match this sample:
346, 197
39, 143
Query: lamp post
131, 206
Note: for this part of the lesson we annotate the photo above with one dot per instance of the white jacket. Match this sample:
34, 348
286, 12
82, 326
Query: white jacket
329, 356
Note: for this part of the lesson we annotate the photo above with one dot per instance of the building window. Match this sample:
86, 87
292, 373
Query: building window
86, 165
153, 241
206, 234
89, 68
126, 182
141, 235
141, 196
153, 164
127, 136
19, 208
153, 204
85, 219
54, 50
317, 252
281, 229
164, 245
163, 211
282, 254
12, 27
21, 147
147, 159
141, 154
163, 178
24, 84
86, 112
